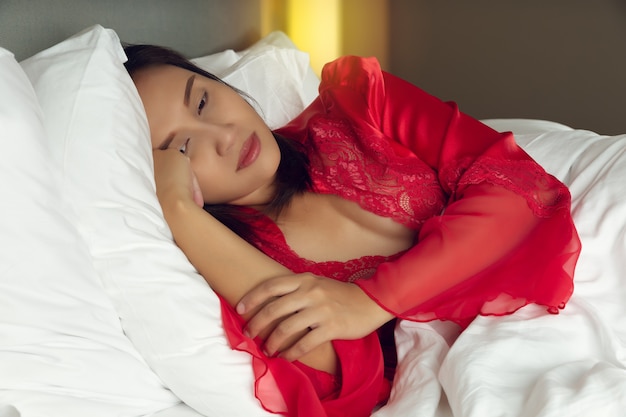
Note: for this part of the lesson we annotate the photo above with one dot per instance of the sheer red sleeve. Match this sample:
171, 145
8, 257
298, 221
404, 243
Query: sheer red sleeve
506, 237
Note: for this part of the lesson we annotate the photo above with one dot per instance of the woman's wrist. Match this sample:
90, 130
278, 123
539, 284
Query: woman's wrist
177, 208
373, 310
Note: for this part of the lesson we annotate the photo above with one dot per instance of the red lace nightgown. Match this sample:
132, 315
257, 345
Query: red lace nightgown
494, 230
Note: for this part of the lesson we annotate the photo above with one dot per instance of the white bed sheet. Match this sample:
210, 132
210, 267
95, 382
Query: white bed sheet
526, 364
534, 364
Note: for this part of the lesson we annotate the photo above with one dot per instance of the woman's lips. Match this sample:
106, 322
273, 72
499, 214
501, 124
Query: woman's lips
249, 151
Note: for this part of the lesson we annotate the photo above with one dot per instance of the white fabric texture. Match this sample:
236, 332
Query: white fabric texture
276, 75
9, 411
526, 126
62, 349
533, 364
87, 254
102, 145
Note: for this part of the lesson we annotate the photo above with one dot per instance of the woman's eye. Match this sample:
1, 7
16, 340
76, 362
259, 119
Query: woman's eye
183, 147
202, 103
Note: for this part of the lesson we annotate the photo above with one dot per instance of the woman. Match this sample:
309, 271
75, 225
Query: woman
378, 201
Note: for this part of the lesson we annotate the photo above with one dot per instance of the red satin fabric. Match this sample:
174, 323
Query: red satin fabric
494, 229
296, 390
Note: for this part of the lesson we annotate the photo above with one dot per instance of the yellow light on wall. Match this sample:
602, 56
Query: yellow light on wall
327, 29
315, 27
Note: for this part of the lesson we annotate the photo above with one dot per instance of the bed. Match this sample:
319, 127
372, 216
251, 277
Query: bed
102, 315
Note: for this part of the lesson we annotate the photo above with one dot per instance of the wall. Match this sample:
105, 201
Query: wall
194, 27
365, 29
561, 60
364, 26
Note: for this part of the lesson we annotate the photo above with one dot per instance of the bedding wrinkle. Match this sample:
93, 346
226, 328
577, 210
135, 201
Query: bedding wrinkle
80, 306
501, 210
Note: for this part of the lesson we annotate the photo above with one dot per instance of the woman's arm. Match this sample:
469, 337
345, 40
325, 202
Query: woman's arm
230, 265
506, 237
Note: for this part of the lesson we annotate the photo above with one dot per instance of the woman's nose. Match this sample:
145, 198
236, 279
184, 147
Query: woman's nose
222, 135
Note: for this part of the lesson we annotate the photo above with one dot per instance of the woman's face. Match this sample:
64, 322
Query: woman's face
232, 151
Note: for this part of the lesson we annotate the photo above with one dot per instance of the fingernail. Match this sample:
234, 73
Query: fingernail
246, 333
241, 308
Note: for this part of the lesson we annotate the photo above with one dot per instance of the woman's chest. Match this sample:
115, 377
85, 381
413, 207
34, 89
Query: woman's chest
370, 200
362, 166
322, 227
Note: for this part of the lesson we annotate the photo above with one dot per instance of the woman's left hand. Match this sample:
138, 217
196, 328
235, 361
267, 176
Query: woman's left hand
174, 178
301, 311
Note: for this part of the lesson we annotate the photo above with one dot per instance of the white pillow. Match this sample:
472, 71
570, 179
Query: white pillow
273, 72
97, 125
62, 349
525, 126
594, 168
8, 411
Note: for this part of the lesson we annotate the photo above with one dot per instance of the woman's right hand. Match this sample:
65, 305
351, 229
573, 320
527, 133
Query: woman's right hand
174, 178
296, 313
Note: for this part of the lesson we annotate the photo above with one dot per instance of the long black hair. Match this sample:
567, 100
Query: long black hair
292, 176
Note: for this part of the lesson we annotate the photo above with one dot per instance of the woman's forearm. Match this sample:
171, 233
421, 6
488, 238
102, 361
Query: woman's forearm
229, 264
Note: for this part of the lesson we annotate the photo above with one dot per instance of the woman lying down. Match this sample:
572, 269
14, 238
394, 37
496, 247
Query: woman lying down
378, 202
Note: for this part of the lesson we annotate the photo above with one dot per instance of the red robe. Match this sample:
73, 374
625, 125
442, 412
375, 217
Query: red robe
494, 230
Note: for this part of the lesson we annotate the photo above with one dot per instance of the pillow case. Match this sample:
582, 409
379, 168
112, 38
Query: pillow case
97, 127
525, 126
273, 72
62, 349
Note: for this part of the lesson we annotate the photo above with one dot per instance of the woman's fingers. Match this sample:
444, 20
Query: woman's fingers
261, 294
297, 313
174, 177
290, 331
196, 192
277, 309
311, 339
302, 305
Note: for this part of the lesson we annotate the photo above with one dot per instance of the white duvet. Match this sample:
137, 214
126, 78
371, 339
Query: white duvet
533, 364
102, 315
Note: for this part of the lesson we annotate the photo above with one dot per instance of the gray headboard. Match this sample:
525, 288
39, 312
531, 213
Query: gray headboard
194, 27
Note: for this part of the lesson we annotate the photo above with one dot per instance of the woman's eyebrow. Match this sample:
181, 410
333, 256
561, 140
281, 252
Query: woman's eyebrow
166, 143
188, 88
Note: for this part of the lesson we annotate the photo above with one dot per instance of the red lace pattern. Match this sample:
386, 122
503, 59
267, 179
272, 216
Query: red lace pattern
364, 169
543, 192
273, 242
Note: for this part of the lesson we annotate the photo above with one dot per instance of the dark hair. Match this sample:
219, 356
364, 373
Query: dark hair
146, 56
292, 176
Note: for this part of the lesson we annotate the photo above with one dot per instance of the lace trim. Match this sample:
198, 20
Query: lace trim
274, 244
363, 168
544, 193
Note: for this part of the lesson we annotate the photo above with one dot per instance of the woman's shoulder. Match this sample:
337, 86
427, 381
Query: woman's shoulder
349, 88
351, 71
